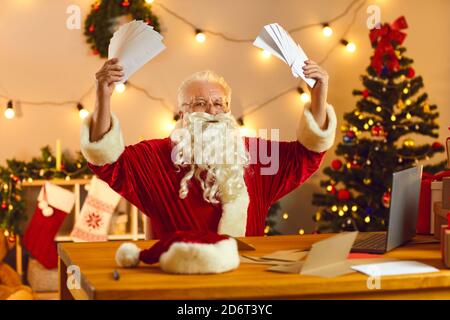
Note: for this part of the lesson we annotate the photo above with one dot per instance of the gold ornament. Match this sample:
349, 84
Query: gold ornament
426, 108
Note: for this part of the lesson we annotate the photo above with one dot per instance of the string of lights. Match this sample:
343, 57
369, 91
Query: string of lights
200, 37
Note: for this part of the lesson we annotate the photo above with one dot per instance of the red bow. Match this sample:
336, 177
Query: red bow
385, 38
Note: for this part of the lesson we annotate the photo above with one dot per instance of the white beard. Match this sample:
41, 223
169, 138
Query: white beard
214, 151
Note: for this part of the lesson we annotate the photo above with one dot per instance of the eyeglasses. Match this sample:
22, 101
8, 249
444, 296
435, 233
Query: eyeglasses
201, 104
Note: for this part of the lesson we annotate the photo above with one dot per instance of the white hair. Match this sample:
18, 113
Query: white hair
203, 76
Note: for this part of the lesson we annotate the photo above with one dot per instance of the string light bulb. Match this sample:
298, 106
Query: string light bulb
200, 36
350, 46
326, 30
304, 97
82, 112
9, 112
265, 54
173, 123
120, 87
149, 1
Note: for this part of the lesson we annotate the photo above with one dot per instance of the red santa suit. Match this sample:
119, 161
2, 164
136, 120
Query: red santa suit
145, 175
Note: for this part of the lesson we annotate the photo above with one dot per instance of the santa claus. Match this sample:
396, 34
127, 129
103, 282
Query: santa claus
205, 176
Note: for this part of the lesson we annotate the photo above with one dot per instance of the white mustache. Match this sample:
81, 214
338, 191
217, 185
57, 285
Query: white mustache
194, 117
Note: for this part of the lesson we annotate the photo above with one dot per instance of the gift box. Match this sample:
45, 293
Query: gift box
425, 220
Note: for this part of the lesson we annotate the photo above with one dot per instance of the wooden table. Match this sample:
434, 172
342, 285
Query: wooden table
249, 281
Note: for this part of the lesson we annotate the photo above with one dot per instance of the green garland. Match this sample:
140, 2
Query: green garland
99, 22
12, 204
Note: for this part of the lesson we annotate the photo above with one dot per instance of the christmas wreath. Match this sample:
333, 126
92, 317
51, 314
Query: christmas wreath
101, 21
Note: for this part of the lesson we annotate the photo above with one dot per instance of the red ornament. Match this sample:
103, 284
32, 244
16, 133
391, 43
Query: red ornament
365, 93
125, 3
149, 21
62, 166
95, 52
336, 164
436, 146
411, 72
351, 134
343, 195
91, 28
386, 199
378, 131
4, 205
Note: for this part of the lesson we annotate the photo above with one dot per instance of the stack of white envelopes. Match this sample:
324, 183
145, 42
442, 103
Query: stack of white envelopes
134, 44
274, 39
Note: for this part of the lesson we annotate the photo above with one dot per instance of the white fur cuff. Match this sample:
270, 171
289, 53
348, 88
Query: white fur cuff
106, 150
312, 136
197, 258
234, 215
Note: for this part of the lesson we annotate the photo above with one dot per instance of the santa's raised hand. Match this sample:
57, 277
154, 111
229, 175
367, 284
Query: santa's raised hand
319, 92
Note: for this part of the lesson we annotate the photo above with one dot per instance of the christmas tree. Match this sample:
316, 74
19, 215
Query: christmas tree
378, 138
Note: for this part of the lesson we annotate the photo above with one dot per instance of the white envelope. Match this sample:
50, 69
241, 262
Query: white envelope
278, 42
394, 268
327, 258
134, 44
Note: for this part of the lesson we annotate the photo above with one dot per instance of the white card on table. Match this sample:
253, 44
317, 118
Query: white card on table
394, 268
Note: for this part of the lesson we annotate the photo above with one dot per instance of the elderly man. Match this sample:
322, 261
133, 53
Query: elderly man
179, 190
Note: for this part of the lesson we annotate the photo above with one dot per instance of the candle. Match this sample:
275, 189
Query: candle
58, 154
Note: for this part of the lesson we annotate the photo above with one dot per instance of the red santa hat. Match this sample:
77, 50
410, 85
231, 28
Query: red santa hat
186, 252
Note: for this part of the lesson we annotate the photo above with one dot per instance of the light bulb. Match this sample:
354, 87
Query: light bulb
265, 54
200, 36
326, 30
171, 125
351, 47
304, 97
9, 113
149, 1
120, 87
83, 113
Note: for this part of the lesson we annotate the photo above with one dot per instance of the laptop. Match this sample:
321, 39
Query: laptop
402, 218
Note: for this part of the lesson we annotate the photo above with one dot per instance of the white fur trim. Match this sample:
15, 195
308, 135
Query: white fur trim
197, 258
127, 255
234, 215
106, 150
312, 136
57, 197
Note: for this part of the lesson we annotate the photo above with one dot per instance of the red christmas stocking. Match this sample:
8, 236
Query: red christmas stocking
54, 203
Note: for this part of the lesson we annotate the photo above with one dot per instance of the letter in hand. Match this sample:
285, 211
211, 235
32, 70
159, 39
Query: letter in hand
110, 73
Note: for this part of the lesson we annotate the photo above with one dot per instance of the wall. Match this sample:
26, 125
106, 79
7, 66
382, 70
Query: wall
40, 59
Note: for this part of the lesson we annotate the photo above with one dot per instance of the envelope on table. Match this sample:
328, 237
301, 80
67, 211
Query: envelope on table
327, 258
276, 258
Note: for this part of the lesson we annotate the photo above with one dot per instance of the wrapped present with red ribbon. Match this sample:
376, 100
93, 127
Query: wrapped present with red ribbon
424, 217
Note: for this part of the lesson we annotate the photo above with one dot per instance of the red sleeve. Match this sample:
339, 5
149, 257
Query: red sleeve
295, 165
122, 174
